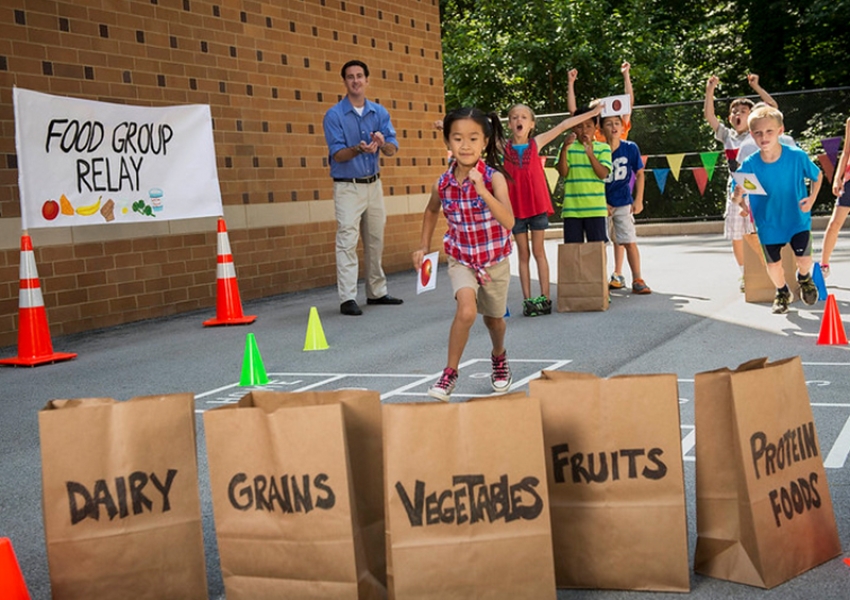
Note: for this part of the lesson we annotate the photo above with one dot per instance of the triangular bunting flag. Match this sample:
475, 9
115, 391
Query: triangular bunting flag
644, 158
709, 160
827, 166
831, 146
675, 162
661, 177
702, 178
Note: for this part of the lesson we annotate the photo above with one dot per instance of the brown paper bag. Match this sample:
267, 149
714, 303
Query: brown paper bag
468, 511
757, 285
582, 277
297, 487
122, 515
764, 513
616, 481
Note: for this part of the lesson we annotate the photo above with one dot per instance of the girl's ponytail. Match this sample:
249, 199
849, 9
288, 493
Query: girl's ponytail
496, 145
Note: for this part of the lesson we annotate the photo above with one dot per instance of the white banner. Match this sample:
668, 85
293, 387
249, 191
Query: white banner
82, 162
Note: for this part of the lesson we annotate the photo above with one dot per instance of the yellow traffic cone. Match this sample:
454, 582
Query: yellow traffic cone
315, 339
253, 371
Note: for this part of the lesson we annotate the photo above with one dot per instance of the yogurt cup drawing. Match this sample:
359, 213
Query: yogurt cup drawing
156, 198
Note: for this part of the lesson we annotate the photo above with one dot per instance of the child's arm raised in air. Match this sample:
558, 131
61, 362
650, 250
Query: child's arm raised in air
708, 105
499, 202
627, 88
429, 223
753, 80
546, 137
572, 74
838, 181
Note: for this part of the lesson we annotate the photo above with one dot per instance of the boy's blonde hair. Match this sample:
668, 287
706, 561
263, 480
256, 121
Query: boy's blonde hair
765, 111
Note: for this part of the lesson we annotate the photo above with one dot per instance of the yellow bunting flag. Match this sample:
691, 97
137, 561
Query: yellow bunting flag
675, 162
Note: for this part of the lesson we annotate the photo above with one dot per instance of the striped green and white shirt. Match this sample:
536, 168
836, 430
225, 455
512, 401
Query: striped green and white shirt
584, 192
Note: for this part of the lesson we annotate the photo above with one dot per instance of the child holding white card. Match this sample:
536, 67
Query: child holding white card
473, 195
626, 118
782, 214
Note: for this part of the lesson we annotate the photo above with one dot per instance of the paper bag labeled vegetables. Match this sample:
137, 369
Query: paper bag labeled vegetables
122, 515
582, 277
468, 510
297, 495
616, 481
764, 513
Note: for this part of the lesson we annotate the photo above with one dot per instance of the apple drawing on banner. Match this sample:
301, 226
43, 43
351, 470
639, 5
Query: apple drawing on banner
425, 271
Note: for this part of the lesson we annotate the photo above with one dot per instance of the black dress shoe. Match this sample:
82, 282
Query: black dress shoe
386, 299
349, 307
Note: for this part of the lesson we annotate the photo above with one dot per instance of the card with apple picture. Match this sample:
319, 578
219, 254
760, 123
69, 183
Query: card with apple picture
427, 279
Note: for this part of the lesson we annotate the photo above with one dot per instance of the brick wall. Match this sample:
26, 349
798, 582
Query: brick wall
269, 70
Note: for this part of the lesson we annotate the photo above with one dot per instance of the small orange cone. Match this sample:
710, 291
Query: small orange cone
228, 303
832, 327
12, 585
34, 345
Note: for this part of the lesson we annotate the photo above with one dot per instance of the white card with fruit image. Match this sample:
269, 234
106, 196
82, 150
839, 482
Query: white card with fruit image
749, 182
427, 279
616, 105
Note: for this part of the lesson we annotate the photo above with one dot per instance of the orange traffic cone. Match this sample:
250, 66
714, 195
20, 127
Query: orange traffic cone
12, 586
831, 327
228, 303
34, 345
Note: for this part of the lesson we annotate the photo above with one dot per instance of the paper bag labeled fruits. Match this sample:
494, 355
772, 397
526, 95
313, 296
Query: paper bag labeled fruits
582, 277
297, 495
764, 513
616, 481
122, 515
757, 284
468, 510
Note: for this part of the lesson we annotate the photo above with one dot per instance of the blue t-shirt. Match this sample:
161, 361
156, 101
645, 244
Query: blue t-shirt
777, 214
625, 162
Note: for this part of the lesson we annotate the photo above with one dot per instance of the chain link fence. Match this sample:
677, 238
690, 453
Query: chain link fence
681, 128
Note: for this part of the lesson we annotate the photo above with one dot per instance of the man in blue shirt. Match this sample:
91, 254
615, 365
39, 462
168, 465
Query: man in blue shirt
357, 131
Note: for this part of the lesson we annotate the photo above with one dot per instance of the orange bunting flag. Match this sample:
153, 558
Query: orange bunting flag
644, 158
827, 166
702, 178
709, 160
675, 162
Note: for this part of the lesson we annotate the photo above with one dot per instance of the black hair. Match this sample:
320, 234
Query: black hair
585, 109
491, 124
354, 63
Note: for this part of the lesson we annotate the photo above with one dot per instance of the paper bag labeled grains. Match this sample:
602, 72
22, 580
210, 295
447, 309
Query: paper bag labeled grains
297, 495
468, 511
764, 513
122, 515
757, 284
582, 277
616, 480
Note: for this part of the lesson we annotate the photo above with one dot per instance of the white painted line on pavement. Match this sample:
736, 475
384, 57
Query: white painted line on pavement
838, 455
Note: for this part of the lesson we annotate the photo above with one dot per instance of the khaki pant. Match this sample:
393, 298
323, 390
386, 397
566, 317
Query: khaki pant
359, 209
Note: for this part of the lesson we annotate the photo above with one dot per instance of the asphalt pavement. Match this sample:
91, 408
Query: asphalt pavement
695, 320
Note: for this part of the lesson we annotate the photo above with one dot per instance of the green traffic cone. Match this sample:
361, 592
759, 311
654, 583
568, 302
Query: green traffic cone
253, 371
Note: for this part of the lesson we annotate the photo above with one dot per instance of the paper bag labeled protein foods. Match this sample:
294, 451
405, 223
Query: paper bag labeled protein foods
616, 481
122, 515
764, 513
297, 482
757, 284
582, 277
468, 511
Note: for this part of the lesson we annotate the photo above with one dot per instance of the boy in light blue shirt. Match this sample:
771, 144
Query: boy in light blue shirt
783, 214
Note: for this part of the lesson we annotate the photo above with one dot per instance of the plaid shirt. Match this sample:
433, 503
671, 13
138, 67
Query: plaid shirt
474, 238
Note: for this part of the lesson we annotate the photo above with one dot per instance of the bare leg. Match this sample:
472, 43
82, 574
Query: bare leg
738, 251
496, 326
836, 222
777, 274
462, 323
524, 258
538, 247
633, 255
619, 253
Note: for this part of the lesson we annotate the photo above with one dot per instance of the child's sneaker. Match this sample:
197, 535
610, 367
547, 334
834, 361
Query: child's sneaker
529, 307
445, 385
639, 287
500, 378
543, 305
824, 270
617, 282
808, 289
781, 301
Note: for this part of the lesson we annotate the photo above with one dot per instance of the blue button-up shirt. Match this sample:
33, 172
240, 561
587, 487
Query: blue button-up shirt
344, 128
